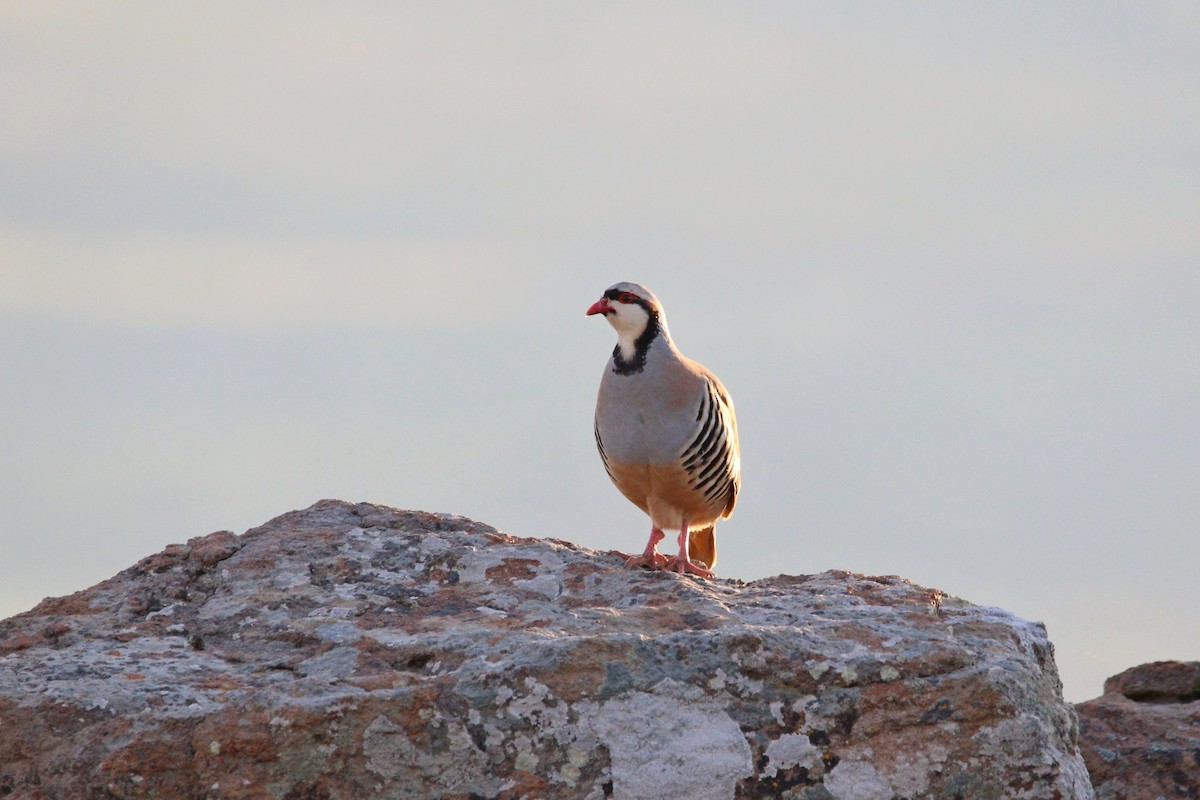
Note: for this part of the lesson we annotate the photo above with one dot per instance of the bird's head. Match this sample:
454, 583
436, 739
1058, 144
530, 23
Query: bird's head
629, 308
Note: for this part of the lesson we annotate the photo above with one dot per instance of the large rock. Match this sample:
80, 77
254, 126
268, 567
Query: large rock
357, 651
1141, 738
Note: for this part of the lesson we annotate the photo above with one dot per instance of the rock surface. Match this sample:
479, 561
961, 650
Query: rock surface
358, 651
1141, 738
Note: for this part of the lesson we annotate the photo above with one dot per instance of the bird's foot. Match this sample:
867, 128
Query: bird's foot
685, 566
652, 559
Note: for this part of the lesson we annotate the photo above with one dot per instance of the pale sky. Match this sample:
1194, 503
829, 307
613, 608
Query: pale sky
945, 257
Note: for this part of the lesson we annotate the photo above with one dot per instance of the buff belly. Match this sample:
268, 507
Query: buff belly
665, 494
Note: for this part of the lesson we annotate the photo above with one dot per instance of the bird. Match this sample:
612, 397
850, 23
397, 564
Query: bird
666, 432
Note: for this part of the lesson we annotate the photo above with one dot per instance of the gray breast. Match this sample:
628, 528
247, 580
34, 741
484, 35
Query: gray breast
649, 417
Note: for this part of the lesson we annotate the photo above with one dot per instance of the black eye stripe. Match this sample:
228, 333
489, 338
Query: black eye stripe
626, 297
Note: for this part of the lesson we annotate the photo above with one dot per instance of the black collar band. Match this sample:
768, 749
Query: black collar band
641, 347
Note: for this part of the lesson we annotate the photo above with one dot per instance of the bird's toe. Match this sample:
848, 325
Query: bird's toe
655, 561
686, 567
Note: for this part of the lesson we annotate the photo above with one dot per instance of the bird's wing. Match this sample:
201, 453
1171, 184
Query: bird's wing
712, 459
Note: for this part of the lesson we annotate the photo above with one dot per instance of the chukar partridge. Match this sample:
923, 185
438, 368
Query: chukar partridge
666, 432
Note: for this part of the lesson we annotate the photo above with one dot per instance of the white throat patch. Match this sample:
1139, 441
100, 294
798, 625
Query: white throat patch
627, 345
629, 320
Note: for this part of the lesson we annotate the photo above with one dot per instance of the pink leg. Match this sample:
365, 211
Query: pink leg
650, 557
683, 564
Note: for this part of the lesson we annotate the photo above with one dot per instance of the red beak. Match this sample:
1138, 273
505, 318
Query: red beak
601, 306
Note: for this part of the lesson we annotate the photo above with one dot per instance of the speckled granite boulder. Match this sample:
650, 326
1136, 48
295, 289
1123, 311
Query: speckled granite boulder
357, 651
1141, 738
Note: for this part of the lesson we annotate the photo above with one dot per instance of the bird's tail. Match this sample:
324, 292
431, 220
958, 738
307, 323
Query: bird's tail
702, 545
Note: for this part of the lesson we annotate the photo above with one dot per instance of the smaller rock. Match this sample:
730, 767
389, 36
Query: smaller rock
1141, 738
1159, 682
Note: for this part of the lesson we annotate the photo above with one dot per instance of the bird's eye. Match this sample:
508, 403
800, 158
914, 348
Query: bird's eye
627, 297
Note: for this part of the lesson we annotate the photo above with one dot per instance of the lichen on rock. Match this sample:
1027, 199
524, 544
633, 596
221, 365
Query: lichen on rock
354, 650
